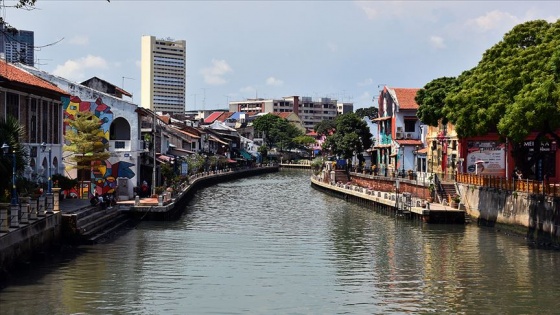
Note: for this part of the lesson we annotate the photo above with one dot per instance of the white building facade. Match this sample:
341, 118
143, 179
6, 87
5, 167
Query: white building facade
121, 130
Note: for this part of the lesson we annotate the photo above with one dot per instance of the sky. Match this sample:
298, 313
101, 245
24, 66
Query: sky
344, 50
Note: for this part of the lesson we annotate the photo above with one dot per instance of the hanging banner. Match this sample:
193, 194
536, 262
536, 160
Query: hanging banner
486, 158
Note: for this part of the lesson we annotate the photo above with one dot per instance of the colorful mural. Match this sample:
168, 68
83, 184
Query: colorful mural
104, 177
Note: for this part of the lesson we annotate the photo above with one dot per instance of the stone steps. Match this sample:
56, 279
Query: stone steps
93, 223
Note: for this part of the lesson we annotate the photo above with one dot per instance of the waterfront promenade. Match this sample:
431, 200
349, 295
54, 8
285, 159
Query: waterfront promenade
393, 202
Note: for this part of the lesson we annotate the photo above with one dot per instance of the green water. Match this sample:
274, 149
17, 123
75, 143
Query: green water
274, 245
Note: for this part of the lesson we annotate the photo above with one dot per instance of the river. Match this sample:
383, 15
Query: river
274, 245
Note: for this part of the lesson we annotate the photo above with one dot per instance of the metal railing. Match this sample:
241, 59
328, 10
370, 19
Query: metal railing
521, 185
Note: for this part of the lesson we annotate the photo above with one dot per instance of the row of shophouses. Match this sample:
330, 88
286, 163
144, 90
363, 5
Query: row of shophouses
403, 143
139, 140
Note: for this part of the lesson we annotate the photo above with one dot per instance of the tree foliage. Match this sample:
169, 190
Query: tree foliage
11, 133
351, 135
431, 100
86, 141
325, 127
371, 112
278, 131
514, 89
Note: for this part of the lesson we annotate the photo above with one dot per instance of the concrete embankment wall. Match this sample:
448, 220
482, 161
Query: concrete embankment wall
532, 215
23, 243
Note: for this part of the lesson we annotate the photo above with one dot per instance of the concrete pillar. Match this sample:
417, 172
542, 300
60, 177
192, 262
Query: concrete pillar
50, 203
56, 202
14, 215
137, 200
33, 209
24, 208
4, 222
41, 205
160, 200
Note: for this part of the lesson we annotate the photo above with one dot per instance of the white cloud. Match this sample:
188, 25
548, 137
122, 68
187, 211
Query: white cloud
366, 82
493, 20
437, 42
408, 10
274, 82
75, 69
79, 40
214, 75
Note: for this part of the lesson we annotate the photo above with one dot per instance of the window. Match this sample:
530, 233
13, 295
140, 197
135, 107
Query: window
409, 125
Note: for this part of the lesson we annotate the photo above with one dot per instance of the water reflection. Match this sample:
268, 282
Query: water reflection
272, 244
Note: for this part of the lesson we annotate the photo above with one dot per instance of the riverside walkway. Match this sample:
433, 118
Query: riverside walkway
392, 202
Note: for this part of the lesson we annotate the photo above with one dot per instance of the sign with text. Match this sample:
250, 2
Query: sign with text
486, 158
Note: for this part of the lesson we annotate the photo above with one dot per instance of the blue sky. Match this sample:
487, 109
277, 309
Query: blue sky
244, 49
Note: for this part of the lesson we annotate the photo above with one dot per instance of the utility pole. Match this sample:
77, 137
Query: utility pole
154, 156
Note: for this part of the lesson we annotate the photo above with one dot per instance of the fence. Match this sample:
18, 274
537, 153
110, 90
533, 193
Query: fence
524, 185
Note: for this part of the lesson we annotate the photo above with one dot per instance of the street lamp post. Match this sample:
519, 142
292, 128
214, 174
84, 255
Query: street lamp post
397, 204
50, 196
401, 149
14, 207
416, 159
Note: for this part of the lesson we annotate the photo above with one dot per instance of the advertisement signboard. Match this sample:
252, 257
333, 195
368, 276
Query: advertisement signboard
486, 158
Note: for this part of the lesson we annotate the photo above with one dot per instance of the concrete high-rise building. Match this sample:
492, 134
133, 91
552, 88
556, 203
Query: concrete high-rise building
163, 74
311, 112
17, 46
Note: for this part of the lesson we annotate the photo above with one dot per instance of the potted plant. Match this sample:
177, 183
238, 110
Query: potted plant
431, 189
410, 174
159, 190
455, 200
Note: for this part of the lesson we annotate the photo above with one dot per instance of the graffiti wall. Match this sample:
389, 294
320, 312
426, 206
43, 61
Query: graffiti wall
105, 173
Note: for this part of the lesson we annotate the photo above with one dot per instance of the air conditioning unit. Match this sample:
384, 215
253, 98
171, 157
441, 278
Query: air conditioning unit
399, 135
399, 129
409, 136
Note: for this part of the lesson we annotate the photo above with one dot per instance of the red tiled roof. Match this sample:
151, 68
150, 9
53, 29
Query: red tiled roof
409, 142
224, 116
284, 115
12, 73
312, 133
210, 119
405, 97
166, 119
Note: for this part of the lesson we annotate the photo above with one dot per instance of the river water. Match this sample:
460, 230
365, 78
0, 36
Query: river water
273, 245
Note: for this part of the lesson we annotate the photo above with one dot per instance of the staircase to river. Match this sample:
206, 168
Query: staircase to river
93, 225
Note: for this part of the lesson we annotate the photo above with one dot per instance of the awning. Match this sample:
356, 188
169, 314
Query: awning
382, 118
217, 140
246, 155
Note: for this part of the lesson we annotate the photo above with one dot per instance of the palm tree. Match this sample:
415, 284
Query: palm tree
11, 133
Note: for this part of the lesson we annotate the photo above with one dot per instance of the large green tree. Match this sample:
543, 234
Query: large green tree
325, 127
371, 112
278, 131
431, 100
514, 89
351, 134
